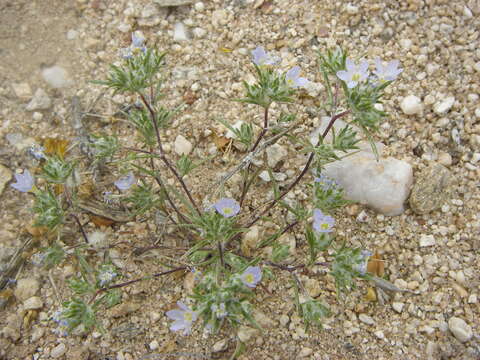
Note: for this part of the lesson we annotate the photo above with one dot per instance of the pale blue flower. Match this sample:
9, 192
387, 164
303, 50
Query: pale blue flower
322, 223
38, 152
361, 267
262, 58
25, 182
387, 72
227, 207
125, 182
355, 73
106, 276
183, 318
136, 47
251, 276
219, 311
293, 78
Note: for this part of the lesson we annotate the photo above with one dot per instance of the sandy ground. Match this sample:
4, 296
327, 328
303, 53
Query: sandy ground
436, 42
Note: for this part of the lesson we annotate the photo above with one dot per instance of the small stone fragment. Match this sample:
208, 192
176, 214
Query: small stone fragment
199, 33
443, 106
411, 105
460, 329
33, 303
366, 319
398, 307
173, 2
26, 288
182, 145
275, 154
58, 351
5, 177
220, 346
40, 101
246, 333
427, 240
306, 351
153, 345
56, 76
250, 240
432, 187
180, 32
22, 91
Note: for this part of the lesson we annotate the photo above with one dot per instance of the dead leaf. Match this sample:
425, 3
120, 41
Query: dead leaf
56, 147
371, 295
101, 221
376, 265
29, 317
189, 97
36, 231
221, 142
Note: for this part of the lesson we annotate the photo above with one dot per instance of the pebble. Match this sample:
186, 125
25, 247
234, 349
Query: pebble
199, 33
58, 351
427, 240
275, 154
431, 189
284, 320
366, 319
443, 106
220, 346
154, 345
37, 333
72, 34
180, 32
26, 288
173, 2
398, 307
472, 299
411, 105
40, 101
182, 145
246, 333
250, 240
5, 176
22, 90
56, 77
460, 329
37, 116
445, 159
33, 303
306, 351
199, 6
313, 287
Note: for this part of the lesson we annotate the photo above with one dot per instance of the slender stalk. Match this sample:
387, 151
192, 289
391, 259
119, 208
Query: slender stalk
130, 282
164, 158
260, 137
80, 226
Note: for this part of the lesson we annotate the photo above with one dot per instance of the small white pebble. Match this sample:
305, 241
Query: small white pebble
199, 6
153, 345
411, 105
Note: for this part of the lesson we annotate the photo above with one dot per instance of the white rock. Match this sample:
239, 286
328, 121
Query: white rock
37, 116
443, 106
124, 27
154, 345
406, 43
382, 185
427, 240
72, 34
56, 77
366, 319
398, 307
40, 101
58, 351
445, 159
180, 32
97, 239
472, 299
411, 105
460, 329
26, 288
220, 346
5, 177
250, 240
275, 153
149, 10
199, 6
33, 303
379, 334
22, 90
199, 33
37, 333
306, 351
182, 145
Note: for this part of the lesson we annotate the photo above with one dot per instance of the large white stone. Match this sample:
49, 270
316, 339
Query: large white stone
384, 185
444, 105
411, 105
56, 76
459, 328
182, 145
180, 32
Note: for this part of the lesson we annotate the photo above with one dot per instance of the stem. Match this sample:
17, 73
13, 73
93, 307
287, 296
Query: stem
302, 174
162, 153
116, 286
82, 230
260, 136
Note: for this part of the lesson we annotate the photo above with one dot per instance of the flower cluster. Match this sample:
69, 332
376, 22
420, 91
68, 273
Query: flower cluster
322, 223
137, 46
125, 182
356, 73
251, 276
325, 182
219, 310
63, 324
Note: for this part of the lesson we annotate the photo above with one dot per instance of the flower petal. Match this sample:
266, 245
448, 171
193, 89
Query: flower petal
343, 75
